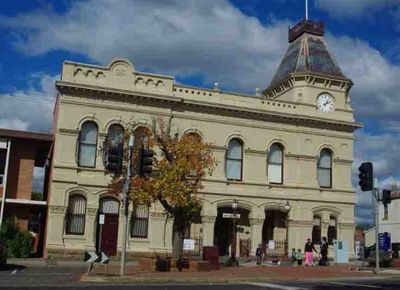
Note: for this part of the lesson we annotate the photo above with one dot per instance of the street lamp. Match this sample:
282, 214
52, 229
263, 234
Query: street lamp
233, 252
287, 210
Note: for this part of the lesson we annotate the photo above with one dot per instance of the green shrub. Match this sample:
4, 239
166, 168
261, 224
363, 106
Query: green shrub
19, 243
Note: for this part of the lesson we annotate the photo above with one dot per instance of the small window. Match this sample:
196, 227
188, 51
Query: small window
324, 168
3, 157
88, 145
332, 230
140, 222
76, 215
316, 230
234, 160
275, 164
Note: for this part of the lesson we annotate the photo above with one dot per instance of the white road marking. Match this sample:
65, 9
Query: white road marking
274, 286
352, 285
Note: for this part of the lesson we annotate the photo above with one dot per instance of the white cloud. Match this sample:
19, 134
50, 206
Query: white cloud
211, 38
354, 8
29, 109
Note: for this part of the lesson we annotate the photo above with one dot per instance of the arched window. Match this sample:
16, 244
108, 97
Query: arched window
140, 222
332, 230
141, 136
76, 214
109, 205
87, 145
234, 160
115, 135
275, 164
324, 168
316, 230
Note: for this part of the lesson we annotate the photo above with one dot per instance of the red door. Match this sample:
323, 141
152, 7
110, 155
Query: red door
109, 235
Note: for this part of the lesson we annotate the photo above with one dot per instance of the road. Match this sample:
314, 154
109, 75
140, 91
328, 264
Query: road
67, 278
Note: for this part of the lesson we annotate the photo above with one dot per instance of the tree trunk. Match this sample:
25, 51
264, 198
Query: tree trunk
178, 232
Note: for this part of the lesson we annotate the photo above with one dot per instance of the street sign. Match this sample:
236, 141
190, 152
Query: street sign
231, 215
90, 257
102, 218
103, 258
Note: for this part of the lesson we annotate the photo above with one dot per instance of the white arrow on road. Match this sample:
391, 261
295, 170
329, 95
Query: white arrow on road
90, 257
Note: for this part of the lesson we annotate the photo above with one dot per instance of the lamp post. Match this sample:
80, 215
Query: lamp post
233, 252
287, 210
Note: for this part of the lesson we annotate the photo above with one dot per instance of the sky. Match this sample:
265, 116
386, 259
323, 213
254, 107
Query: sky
237, 43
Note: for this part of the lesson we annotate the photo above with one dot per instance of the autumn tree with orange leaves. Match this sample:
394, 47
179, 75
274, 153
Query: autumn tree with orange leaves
179, 167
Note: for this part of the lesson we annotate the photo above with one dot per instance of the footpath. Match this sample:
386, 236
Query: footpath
243, 273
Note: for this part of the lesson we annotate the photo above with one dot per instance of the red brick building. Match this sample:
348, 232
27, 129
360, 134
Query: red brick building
24, 172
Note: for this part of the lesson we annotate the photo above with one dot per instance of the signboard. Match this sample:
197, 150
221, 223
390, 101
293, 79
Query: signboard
93, 257
188, 244
384, 241
3, 143
271, 244
102, 218
231, 215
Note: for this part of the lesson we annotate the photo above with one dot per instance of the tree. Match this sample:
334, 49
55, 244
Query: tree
181, 164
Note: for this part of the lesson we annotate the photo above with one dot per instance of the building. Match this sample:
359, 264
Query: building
22, 156
291, 145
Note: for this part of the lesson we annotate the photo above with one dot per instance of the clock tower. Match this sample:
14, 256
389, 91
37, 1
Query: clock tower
310, 77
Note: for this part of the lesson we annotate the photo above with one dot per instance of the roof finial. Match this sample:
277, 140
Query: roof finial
306, 9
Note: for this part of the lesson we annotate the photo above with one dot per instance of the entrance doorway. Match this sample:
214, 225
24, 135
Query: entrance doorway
109, 234
274, 229
223, 231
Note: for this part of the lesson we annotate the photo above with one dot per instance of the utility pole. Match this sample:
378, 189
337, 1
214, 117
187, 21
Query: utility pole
125, 196
306, 9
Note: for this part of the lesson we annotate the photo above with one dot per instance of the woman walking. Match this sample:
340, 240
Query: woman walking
308, 251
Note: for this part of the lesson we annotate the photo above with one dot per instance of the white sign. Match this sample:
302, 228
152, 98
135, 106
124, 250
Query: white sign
188, 244
102, 219
3, 143
271, 244
231, 215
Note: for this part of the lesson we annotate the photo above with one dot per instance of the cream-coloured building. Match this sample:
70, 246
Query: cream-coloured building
291, 143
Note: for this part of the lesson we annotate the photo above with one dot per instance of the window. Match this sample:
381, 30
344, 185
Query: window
88, 145
325, 168
316, 230
3, 157
115, 135
234, 159
76, 215
109, 205
275, 164
140, 222
193, 138
141, 136
332, 230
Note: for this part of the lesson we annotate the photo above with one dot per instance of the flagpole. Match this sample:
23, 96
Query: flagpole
306, 9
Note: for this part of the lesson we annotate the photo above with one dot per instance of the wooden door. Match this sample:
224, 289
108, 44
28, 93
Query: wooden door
109, 235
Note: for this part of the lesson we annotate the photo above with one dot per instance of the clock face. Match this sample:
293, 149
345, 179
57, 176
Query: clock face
325, 103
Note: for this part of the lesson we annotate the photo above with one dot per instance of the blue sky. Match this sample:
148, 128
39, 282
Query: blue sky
238, 43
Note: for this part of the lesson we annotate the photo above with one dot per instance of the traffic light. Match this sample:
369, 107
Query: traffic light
145, 162
386, 199
114, 159
366, 176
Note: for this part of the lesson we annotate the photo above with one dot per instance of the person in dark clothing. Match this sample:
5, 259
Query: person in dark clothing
324, 252
259, 254
308, 251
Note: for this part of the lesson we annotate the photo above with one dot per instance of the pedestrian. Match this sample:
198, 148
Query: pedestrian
308, 251
299, 257
292, 256
324, 252
259, 254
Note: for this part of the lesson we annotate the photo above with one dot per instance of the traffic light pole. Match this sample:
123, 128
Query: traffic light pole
376, 195
125, 195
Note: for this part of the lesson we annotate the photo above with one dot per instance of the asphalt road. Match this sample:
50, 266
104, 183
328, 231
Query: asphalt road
67, 278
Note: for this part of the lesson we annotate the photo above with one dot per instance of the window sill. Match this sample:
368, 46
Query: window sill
139, 240
74, 237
